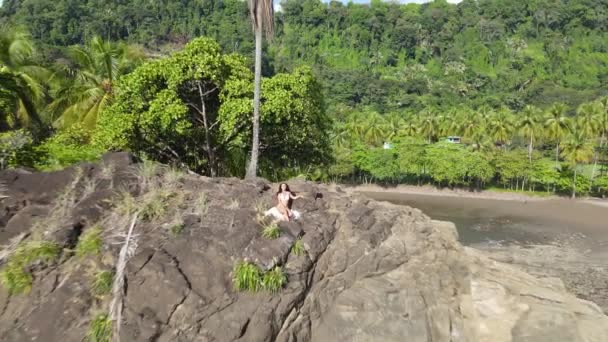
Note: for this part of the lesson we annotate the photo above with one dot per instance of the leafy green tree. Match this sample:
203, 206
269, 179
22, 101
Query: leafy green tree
187, 109
412, 157
92, 71
446, 163
295, 125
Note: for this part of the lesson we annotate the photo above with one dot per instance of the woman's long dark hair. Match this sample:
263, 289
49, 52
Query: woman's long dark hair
289, 201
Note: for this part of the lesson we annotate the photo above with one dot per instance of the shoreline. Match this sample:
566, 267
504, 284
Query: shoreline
427, 190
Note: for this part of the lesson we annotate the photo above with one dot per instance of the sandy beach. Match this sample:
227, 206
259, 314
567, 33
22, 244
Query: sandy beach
484, 194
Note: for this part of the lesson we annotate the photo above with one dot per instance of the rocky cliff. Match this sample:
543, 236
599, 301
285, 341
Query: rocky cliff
355, 269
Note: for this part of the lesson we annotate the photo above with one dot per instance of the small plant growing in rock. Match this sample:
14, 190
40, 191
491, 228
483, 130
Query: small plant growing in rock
234, 204
177, 228
271, 231
155, 204
102, 283
298, 247
14, 276
147, 173
201, 204
274, 280
246, 277
100, 329
173, 176
90, 242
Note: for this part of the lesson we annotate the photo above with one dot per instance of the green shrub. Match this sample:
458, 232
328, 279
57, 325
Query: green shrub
271, 231
246, 277
298, 247
90, 242
14, 276
66, 148
274, 280
100, 329
102, 283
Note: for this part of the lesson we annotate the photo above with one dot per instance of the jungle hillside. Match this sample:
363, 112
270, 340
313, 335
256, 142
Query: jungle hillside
480, 94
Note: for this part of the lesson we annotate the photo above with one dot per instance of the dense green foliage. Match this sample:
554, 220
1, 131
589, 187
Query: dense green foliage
193, 108
519, 81
386, 55
531, 150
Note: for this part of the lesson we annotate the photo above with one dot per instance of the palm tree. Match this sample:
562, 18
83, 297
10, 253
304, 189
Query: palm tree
603, 129
588, 120
576, 149
428, 125
91, 72
529, 127
21, 80
557, 125
393, 124
375, 130
409, 129
262, 18
501, 126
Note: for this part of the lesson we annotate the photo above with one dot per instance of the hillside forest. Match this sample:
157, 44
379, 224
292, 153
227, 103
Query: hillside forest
351, 93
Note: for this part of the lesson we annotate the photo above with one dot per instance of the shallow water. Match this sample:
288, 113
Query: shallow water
487, 221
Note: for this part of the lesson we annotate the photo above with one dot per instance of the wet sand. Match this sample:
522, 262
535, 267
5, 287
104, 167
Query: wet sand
539, 215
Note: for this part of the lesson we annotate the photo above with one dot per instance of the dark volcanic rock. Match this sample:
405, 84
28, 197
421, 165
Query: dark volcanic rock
370, 272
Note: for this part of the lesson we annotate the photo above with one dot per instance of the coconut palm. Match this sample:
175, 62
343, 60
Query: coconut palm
529, 126
428, 125
576, 149
557, 126
90, 72
21, 80
375, 129
409, 129
262, 18
588, 120
501, 126
603, 130
393, 123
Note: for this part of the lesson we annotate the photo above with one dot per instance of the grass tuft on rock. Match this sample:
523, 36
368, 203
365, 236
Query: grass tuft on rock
271, 231
14, 276
246, 277
100, 329
298, 247
274, 280
155, 204
177, 228
102, 283
90, 242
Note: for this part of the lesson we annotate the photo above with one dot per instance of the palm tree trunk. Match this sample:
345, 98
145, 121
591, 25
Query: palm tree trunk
253, 164
557, 154
596, 156
530, 149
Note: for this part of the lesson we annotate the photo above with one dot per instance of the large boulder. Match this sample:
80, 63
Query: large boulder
371, 271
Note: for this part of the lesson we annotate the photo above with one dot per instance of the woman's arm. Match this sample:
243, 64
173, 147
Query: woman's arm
294, 197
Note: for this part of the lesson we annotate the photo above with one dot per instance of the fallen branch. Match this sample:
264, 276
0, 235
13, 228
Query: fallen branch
126, 252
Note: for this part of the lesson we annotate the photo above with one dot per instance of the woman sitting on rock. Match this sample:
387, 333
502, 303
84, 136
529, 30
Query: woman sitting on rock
282, 211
